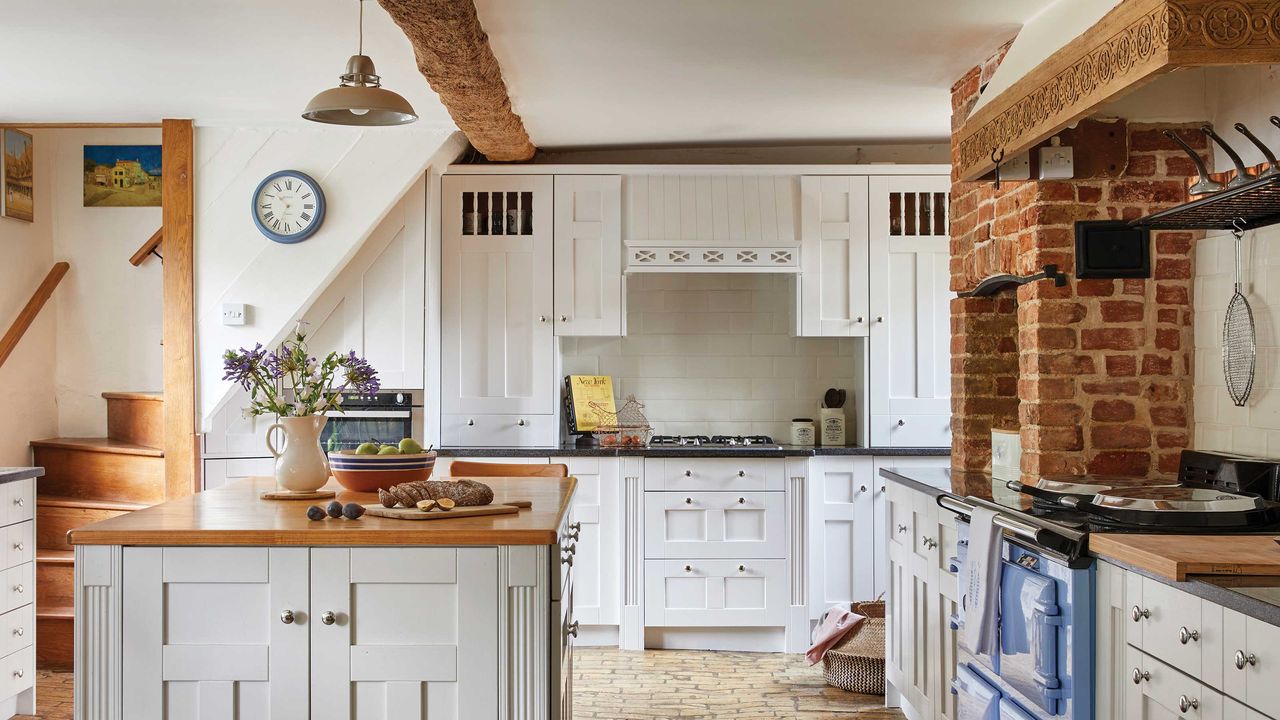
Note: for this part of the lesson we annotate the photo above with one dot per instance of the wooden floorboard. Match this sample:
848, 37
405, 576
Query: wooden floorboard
655, 684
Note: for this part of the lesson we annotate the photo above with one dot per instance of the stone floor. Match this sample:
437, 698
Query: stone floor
615, 685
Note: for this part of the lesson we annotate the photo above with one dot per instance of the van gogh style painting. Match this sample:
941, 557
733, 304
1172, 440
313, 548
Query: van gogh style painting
19, 175
122, 176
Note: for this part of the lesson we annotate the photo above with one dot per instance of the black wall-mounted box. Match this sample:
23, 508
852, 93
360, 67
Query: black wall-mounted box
1112, 249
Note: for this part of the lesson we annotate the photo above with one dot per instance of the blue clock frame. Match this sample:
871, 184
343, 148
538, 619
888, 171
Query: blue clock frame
321, 207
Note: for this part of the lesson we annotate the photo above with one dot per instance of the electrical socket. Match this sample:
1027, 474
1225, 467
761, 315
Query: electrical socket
1017, 168
1057, 162
234, 313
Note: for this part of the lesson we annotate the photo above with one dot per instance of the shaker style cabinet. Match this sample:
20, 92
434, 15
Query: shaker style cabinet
833, 256
910, 333
596, 532
588, 255
497, 344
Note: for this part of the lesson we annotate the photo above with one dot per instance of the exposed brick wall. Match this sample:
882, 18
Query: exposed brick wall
1097, 374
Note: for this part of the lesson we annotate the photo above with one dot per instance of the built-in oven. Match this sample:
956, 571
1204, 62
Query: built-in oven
385, 417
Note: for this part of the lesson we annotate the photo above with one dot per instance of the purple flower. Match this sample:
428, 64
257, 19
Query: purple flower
240, 366
360, 376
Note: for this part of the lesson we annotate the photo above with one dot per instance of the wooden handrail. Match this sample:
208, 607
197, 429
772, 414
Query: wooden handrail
148, 248
28, 314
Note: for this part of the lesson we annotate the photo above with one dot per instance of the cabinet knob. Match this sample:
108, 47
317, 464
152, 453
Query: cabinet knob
520, 422
1185, 703
575, 526
929, 543
862, 488
470, 422
19, 546
1139, 614
901, 422
1242, 659
564, 318
688, 473
571, 549
566, 559
742, 473
19, 502
286, 617
858, 319
328, 618
742, 501
688, 501
1185, 636
1139, 676
879, 319
18, 631
688, 568
17, 673
902, 529
571, 629
19, 589
542, 318
742, 568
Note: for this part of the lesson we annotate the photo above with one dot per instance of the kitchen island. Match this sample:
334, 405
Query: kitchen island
222, 605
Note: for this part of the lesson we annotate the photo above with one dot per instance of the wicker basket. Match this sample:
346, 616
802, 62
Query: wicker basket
856, 663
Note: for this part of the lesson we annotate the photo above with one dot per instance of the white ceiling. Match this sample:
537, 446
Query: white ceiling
241, 62
581, 72
625, 72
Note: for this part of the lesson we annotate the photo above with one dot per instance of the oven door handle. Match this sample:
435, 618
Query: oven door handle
386, 414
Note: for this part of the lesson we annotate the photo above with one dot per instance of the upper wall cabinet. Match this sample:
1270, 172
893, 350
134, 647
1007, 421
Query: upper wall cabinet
833, 246
376, 306
496, 298
588, 255
910, 347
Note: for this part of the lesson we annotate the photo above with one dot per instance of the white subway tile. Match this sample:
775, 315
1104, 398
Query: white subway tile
774, 345
773, 389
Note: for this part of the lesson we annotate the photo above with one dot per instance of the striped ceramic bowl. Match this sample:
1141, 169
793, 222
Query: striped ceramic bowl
367, 473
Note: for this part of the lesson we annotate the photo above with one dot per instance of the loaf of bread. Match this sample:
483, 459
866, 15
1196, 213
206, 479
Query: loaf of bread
464, 493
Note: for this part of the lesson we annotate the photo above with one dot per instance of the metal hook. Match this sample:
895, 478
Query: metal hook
1237, 225
997, 161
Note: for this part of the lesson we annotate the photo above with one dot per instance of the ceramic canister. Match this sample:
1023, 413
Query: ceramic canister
802, 431
832, 426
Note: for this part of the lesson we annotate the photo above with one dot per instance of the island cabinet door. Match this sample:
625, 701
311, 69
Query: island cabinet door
216, 633
404, 633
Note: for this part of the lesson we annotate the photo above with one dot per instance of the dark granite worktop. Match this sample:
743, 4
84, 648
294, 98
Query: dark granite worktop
570, 450
11, 474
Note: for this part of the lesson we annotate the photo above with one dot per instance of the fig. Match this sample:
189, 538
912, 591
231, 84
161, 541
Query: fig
335, 509
315, 512
352, 511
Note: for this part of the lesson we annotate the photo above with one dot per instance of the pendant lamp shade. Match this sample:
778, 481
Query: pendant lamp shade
360, 98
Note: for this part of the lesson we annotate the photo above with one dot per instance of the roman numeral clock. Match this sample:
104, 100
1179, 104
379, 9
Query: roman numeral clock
288, 206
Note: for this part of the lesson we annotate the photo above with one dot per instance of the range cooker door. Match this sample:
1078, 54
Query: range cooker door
1030, 621
977, 699
1010, 710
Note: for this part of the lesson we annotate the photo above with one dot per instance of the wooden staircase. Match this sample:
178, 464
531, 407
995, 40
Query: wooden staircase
86, 480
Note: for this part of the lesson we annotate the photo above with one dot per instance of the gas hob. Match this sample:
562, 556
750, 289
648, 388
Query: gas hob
714, 442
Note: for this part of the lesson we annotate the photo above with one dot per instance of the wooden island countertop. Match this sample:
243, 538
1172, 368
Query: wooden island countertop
236, 515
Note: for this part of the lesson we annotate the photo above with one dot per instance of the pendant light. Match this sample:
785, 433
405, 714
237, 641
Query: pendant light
360, 98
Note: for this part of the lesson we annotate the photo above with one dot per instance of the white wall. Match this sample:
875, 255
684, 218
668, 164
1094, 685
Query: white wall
362, 172
27, 377
712, 354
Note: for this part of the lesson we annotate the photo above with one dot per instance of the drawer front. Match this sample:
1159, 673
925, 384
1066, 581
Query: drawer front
19, 543
715, 593
1251, 662
17, 629
913, 430
492, 430
20, 586
727, 474
715, 525
17, 672
901, 514
19, 501
924, 527
1174, 633
1163, 691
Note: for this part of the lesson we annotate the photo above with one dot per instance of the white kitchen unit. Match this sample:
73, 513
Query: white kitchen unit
597, 534
834, 297
921, 651
497, 343
17, 611
589, 290
220, 471
375, 306
1162, 652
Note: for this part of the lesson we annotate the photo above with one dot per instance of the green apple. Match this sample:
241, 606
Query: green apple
389, 450
367, 449
409, 446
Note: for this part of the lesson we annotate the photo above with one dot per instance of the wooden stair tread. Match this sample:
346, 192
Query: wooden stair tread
103, 445
56, 613
154, 396
55, 557
56, 501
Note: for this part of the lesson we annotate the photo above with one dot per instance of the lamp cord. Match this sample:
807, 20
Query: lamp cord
361, 4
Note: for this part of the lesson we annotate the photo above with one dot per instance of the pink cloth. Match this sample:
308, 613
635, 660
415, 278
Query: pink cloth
836, 623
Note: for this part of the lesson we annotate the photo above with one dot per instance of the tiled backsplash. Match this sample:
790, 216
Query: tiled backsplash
714, 354
1255, 428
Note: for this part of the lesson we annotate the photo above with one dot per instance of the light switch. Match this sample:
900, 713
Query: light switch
1057, 162
234, 313
1018, 168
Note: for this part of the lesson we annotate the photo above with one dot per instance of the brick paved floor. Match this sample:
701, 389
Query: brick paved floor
655, 684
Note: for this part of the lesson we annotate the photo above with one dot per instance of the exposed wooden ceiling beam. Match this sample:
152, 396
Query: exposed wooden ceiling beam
1134, 43
453, 53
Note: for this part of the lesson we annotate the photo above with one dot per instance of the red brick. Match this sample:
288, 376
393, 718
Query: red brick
1112, 387
1120, 437
1095, 288
1169, 463
1047, 338
1168, 338
1115, 311
1166, 390
1141, 166
1180, 166
1133, 286
1113, 410
1149, 191
1038, 437
1122, 365
1157, 365
1168, 294
1111, 338
1169, 416
1050, 414
1041, 312
1173, 269
1172, 439
1120, 463
1173, 243
1087, 194
1055, 238
1153, 138
1046, 389
1167, 315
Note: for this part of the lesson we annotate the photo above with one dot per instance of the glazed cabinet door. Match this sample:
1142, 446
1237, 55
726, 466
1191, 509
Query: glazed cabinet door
219, 633
842, 532
405, 633
588, 255
496, 295
596, 531
833, 256
910, 346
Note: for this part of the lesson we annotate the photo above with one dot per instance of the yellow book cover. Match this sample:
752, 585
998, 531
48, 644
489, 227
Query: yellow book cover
592, 397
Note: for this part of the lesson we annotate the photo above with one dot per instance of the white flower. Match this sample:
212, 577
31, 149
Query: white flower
338, 400
299, 409
246, 413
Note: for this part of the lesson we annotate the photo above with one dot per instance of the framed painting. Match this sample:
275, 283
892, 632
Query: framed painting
19, 175
122, 176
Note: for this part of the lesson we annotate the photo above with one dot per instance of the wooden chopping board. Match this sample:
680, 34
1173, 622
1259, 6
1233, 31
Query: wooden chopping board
1177, 556
400, 513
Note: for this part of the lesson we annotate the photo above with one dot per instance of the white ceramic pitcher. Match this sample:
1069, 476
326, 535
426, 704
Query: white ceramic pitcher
301, 465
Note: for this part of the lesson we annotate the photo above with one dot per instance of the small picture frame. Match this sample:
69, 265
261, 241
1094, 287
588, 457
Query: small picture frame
18, 175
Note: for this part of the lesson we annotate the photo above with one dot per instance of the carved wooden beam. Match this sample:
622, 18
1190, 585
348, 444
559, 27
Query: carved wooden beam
1133, 44
453, 53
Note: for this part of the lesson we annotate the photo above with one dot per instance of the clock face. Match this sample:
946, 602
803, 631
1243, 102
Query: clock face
288, 206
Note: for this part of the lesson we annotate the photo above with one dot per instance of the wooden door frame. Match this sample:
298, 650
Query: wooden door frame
181, 437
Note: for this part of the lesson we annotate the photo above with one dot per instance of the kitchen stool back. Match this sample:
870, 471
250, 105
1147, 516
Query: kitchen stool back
464, 468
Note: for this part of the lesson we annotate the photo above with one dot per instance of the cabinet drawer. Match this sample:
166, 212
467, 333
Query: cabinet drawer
901, 513
19, 586
715, 525
19, 543
715, 593
17, 629
493, 430
1173, 628
1163, 691
1251, 661
729, 474
19, 498
912, 430
17, 672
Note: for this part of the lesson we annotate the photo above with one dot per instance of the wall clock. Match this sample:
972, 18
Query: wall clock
288, 206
